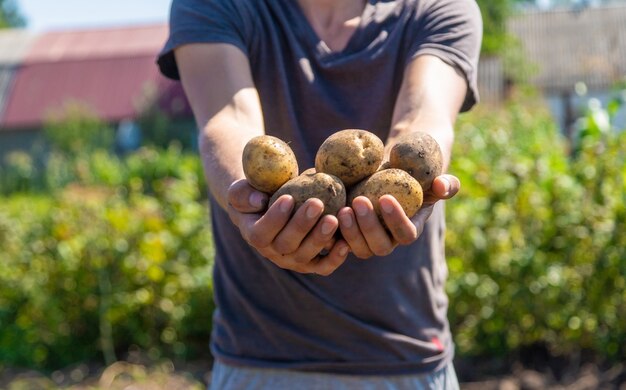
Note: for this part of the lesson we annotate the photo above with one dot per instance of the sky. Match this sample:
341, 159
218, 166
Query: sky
47, 15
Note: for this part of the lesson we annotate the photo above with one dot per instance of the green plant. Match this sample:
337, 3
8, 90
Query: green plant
537, 253
18, 173
160, 128
110, 260
76, 128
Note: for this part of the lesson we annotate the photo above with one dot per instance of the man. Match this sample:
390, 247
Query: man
371, 311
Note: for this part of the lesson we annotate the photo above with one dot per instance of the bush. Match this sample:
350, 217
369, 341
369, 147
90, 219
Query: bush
536, 243
121, 257
18, 173
100, 252
76, 128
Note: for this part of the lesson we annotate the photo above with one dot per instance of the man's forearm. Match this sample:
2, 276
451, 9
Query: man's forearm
220, 151
219, 86
429, 100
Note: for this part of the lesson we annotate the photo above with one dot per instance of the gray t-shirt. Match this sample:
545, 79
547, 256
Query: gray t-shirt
378, 316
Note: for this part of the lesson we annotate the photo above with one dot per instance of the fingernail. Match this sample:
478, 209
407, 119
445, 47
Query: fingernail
346, 220
285, 205
343, 250
312, 212
387, 207
256, 199
327, 228
360, 209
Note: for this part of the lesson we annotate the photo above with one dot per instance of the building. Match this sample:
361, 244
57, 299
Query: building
577, 54
110, 71
13, 46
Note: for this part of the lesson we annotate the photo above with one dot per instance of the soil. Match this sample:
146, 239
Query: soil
587, 377
535, 368
137, 373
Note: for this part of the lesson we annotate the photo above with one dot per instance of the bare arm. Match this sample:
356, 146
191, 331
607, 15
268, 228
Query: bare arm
429, 100
218, 83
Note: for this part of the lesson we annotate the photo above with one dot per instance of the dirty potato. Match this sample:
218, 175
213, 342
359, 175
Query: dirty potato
395, 182
419, 154
327, 188
268, 163
350, 154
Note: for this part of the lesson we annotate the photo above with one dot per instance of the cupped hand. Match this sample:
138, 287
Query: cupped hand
368, 237
302, 241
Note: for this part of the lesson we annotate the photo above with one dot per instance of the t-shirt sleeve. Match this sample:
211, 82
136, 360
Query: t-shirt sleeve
452, 30
203, 21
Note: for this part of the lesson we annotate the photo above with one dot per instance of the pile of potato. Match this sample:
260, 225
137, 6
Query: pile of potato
348, 164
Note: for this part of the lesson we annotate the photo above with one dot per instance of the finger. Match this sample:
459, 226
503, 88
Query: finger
320, 237
401, 227
326, 265
377, 238
262, 232
352, 234
419, 220
304, 219
245, 199
444, 187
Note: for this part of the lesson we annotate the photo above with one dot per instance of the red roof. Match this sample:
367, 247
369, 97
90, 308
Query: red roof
98, 43
112, 87
111, 71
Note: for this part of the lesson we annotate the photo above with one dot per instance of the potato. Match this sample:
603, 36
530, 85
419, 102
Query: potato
350, 154
327, 188
396, 182
308, 171
268, 163
419, 154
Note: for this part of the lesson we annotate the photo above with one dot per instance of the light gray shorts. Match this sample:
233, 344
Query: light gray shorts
225, 377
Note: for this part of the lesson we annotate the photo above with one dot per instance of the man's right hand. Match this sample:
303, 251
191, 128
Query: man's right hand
303, 241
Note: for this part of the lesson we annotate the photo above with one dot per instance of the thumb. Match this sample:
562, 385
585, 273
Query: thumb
444, 187
246, 199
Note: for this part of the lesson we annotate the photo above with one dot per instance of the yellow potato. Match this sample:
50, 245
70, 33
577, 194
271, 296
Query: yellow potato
268, 163
395, 182
308, 171
419, 154
350, 154
327, 188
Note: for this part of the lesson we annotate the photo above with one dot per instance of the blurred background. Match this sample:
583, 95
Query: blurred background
105, 243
